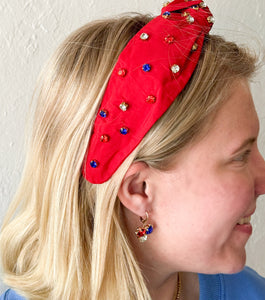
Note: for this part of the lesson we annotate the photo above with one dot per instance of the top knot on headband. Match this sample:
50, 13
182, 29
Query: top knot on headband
150, 72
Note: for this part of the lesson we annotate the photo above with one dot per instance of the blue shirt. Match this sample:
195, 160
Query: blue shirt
246, 285
11, 295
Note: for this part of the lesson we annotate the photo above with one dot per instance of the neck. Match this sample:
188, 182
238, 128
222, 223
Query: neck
161, 287
167, 290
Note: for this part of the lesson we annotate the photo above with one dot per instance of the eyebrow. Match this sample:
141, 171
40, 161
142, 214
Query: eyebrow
247, 142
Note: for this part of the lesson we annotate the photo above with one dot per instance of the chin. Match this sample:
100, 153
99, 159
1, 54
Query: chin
234, 269
234, 265
228, 264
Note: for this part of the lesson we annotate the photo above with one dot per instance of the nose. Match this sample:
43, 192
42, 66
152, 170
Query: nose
260, 175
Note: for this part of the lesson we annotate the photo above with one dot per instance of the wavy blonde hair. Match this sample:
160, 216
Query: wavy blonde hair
64, 238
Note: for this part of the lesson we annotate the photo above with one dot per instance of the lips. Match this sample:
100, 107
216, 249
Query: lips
244, 225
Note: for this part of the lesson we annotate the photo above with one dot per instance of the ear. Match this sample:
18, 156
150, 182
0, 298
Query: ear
134, 189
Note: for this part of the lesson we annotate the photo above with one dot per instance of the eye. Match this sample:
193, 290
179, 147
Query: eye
242, 157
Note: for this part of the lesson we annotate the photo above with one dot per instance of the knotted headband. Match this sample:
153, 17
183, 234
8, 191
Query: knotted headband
150, 72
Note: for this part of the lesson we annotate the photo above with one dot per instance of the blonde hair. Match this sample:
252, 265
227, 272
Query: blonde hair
64, 238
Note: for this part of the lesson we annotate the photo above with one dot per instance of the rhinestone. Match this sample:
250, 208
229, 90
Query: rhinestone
190, 19
124, 130
146, 67
210, 19
104, 138
166, 14
122, 72
94, 164
144, 36
124, 106
169, 39
196, 7
194, 47
143, 238
151, 99
167, 3
103, 113
203, 4
149, 229
140, 232
175, 68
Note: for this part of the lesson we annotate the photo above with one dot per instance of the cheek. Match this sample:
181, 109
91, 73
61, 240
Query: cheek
204, 205
226, 188
214, 204
236, 190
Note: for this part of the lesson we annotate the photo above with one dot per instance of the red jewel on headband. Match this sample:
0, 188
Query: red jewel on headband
169, 39
121, 72
151, 71
151, 99
104, 138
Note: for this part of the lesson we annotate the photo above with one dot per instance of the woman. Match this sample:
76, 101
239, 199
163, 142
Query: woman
143, 168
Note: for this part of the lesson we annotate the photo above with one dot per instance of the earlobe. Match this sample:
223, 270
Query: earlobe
133, 190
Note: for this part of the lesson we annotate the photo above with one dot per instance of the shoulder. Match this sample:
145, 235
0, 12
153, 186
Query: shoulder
11, 295
248, 284
244, 285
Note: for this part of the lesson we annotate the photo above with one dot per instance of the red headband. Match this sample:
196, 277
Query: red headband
151, 71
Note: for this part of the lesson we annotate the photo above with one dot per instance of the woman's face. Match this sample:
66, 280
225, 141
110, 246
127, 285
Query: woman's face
214, 183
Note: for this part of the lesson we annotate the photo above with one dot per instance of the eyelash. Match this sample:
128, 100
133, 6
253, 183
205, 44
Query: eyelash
243, 157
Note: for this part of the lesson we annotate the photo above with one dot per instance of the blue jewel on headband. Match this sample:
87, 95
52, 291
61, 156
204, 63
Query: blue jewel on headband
94, 164
124, 130
166, 14
103, 113
146, 67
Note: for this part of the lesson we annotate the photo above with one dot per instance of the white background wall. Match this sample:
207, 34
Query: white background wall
30, 30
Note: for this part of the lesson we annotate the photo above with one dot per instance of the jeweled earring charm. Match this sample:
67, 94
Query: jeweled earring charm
142, 231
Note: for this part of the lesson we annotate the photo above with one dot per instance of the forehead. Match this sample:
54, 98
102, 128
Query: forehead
238, 115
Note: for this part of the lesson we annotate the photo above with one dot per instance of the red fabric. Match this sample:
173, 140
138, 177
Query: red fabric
137, 85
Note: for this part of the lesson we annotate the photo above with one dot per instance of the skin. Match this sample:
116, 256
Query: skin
196, 205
